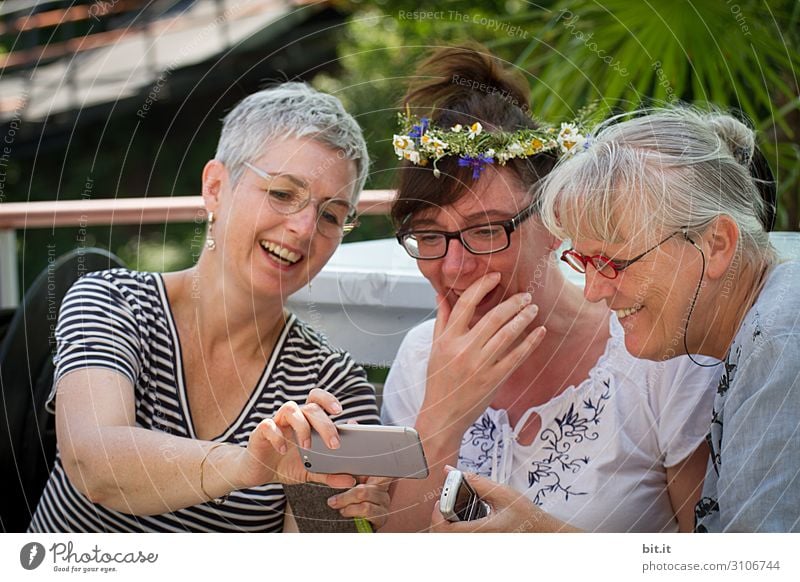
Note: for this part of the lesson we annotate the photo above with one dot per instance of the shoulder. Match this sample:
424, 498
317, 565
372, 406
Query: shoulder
655, 382
118, 282
418, 340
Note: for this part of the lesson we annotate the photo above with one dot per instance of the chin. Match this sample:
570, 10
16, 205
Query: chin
643, 351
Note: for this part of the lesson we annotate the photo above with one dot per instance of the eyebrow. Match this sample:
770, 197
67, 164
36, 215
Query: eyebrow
291, 177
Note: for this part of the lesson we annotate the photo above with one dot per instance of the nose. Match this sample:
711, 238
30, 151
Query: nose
303, 222
597, 287
458, 260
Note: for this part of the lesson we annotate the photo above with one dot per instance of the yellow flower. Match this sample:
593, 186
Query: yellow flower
534, 146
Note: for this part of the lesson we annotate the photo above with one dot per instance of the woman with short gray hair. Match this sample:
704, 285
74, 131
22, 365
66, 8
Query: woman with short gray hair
179, 397
668, 219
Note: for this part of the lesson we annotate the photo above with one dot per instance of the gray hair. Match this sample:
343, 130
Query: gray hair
290, 110
663, 170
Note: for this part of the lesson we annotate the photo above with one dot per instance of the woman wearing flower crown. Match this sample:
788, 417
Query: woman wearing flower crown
519, 379
178, 396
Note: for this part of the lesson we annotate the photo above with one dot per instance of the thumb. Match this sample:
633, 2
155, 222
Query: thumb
493, 493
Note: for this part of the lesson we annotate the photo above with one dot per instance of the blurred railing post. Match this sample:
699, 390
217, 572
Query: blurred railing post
9, 277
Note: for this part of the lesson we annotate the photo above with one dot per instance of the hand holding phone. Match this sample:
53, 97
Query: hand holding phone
459, 502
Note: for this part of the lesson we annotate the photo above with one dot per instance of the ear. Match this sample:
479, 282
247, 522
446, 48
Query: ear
215, 177
721, 240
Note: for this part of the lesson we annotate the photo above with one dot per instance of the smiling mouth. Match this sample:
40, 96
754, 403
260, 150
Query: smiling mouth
282, 255
625, 312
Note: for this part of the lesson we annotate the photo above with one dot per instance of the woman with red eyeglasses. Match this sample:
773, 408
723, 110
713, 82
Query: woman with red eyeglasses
688, 195
520, 381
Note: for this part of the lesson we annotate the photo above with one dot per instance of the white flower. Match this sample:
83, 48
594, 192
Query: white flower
402, 142
456, 128
475, 129
411, 156
514, 149
490, 153
569, 137
434, 145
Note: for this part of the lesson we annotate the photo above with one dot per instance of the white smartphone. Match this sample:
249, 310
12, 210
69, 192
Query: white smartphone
459, 502
369, 450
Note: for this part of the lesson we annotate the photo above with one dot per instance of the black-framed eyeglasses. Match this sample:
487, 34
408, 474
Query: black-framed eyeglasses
335, 217
483, 239
602, 264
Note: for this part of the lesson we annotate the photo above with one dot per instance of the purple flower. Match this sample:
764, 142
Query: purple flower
478, 163
417, 131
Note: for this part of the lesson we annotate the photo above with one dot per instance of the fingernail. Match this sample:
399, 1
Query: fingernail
332, 501
333, 443
449, 468
533, 309
527, 298
282, 449
337, 408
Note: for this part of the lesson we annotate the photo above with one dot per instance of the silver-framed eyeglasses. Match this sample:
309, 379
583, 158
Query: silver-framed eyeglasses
287, 194
484, 239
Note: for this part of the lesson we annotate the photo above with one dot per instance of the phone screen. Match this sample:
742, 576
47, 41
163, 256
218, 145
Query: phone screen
468, 506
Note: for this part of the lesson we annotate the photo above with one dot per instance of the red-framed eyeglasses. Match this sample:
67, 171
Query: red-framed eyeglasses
602, 264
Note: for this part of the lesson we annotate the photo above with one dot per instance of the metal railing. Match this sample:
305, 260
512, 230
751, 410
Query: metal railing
118, 211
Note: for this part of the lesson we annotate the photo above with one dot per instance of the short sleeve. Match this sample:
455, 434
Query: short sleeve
759, 474
346, 380
404, 390
682, 397
96, 328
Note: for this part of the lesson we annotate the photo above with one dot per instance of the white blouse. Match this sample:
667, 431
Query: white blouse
599, 461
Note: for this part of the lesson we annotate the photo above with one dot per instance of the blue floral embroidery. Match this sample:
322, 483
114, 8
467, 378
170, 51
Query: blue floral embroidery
482, 435
570, 429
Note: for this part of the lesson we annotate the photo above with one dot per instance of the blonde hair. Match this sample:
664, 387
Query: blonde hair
662, 170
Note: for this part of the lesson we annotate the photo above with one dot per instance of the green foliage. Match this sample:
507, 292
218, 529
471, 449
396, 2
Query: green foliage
740, 56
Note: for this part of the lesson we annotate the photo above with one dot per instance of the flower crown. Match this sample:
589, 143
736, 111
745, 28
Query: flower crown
421, 142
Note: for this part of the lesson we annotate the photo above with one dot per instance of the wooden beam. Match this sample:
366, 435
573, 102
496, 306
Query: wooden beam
156, 210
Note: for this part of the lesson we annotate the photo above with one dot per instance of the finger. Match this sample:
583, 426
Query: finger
496, 495
290, 415
337, 481
503, 338
503, 314
464, 308
274, 435
439, 524
361, 493
442, 315
322, 424
326, 400
366, 510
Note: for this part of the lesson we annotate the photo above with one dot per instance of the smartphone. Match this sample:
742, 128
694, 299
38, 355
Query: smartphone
459, 502
370, 450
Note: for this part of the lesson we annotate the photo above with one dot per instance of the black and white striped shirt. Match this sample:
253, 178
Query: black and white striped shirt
121, 320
